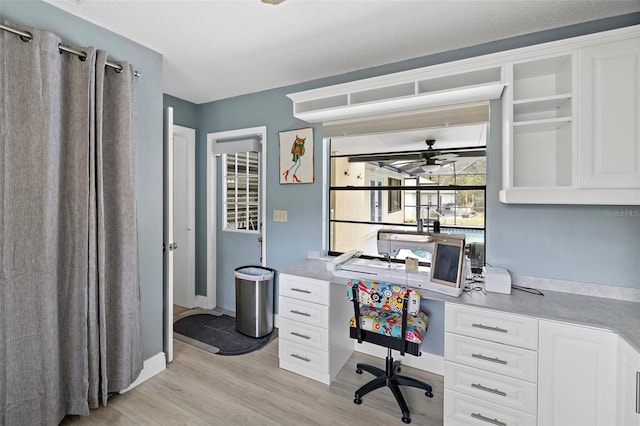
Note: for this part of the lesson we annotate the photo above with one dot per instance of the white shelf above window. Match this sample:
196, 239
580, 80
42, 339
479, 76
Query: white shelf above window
399, 92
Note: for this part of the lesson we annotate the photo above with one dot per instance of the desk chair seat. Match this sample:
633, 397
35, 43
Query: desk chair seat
388, 315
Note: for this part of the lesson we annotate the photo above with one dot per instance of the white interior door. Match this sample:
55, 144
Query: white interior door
184, 216
167, 238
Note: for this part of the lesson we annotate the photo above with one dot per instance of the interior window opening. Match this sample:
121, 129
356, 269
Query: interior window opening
422, 180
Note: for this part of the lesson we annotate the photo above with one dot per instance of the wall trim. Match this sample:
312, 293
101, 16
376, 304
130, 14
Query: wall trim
152, 366
203, 302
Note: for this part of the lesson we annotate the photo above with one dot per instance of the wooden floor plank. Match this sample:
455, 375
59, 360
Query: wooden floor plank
200, 388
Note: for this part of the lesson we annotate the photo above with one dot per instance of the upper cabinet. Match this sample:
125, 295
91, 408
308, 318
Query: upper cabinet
570, 124
540, 116
609, 105
570, 118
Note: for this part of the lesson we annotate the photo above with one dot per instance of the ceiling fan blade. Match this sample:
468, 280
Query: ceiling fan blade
447, 156
409, 167
389, 157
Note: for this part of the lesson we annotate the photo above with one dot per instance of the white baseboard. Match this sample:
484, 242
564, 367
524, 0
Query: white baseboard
203, 302
150, 368
427, 362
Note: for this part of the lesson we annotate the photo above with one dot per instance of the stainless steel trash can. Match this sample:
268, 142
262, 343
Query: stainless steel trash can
254, 300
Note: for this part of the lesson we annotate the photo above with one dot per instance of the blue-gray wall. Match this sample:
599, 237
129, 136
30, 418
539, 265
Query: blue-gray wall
580, 243
185, 113
76, 31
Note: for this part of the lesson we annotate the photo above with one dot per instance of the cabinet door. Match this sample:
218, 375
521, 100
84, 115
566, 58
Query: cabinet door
628, 385
609, 115
576, 375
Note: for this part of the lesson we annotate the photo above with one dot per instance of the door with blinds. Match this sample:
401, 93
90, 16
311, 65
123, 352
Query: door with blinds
237, 175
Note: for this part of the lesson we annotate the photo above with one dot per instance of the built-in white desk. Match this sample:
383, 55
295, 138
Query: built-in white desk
566, 357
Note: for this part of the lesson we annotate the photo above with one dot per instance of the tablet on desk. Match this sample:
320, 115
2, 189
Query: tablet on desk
446, 263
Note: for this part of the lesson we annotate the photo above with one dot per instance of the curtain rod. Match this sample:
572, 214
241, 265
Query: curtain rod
27, 37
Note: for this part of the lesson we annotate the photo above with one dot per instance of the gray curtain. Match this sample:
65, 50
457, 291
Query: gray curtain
69, 288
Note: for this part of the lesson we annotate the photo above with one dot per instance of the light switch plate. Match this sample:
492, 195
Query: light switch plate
279, 215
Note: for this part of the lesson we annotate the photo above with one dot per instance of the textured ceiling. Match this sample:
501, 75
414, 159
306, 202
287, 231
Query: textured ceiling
223, 48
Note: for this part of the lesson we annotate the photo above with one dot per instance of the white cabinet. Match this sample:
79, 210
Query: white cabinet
491, 367
540, 110
313, 326
628, 398
577, 375
609, 130
571, 124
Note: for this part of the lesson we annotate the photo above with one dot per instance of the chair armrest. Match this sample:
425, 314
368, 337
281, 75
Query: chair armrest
405, 312
356, 311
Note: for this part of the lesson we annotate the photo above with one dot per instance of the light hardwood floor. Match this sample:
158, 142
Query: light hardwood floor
200, 388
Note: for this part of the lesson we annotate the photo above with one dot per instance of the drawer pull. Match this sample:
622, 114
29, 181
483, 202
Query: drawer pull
486, 327
301, 290
301, 358
304, 336
487, 419
486, 389
486, 358
304, 314
638, 392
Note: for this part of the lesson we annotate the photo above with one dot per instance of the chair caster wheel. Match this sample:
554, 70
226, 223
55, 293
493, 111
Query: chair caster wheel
357, 401
406, 420
358, 371
429, 394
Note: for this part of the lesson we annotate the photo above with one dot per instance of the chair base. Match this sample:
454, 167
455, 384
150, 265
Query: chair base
393, 381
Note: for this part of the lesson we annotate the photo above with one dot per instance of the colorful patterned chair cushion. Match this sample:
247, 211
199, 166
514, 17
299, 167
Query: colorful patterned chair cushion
381, 310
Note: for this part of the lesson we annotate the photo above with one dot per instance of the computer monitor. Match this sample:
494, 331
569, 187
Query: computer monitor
447, 262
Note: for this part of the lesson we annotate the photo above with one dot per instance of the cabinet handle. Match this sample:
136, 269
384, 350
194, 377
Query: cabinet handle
300, 357
637, 392
304, 314
301, 290
486, 389
487, 419
304, 336
486, 358
486, 327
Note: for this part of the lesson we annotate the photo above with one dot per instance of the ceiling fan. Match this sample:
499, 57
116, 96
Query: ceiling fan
434, 159
420, 162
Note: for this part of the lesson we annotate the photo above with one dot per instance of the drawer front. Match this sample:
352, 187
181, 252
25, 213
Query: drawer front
504, 391
304, 359
494, 357
303, 288
306, 312
304, 334
495, 326
463, 409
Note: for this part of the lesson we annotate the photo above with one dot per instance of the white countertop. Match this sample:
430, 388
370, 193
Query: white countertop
619, 316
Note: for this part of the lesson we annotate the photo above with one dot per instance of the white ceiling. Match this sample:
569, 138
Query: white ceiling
217, 49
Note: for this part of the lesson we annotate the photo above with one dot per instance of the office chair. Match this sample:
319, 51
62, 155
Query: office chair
388, 315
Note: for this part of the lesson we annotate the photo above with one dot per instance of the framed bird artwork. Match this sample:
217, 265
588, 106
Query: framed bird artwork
296, 156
